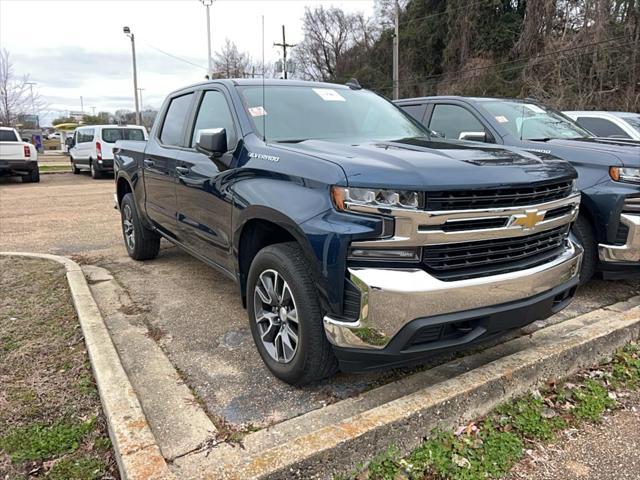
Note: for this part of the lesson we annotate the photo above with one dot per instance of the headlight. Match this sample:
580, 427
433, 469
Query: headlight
574, 185
624, 174
379, 198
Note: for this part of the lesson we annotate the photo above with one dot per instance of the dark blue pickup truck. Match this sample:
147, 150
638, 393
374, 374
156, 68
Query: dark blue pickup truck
356, 239
609, 170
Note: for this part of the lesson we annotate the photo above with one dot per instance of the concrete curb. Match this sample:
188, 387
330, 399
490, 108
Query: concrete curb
319, 451
137, 452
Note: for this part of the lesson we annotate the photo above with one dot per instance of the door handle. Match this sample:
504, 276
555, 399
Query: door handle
149, 163
183, 170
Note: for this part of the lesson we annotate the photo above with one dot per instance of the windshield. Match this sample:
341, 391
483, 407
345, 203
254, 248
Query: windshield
633, 120
297, 113
530, 121
110, 135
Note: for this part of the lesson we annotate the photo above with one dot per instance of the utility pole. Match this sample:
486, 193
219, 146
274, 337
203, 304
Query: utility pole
93, 109
127, 31
207, 4
396, 48
284, 46
33, 105
81, 104
141, 102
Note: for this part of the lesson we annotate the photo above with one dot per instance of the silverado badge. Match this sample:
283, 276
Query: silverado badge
527, 220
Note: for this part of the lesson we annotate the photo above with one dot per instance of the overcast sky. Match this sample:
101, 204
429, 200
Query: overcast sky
76, 48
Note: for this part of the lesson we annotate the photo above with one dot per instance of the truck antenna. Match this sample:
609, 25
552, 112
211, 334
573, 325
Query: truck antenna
264, 109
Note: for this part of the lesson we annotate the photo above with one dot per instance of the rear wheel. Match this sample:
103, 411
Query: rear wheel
95, 173
32, 177
583, 230
141, 242
76, 170
285, 316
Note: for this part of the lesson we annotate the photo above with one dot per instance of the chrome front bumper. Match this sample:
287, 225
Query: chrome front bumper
391, 298
630, 251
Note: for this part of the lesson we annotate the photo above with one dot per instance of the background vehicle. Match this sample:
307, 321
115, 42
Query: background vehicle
18, 157
623, 125
609, 170
91, 147
353, 236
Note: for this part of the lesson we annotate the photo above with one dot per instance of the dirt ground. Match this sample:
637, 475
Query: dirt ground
195, 312
51, 421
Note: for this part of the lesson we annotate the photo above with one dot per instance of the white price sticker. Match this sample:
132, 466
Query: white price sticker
329, 95
502, 119
257, 111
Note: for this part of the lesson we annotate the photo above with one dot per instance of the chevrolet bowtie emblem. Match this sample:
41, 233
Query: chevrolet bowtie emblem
527, 220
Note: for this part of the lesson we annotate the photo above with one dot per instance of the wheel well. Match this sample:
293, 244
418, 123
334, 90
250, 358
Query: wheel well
122, 189
257, 234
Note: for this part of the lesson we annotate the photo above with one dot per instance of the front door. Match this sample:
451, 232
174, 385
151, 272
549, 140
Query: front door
204, 202
160, 160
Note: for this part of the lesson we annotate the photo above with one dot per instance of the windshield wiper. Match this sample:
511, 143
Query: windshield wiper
545, 139
292, 140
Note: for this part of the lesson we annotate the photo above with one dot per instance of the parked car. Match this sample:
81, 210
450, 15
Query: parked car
355, 239
609, 170
18, 158
625, 125
91, 147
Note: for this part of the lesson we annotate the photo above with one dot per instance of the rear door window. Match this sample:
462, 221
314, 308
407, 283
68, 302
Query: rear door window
85, 135
175, 120
111, 135
602, 127
8, 136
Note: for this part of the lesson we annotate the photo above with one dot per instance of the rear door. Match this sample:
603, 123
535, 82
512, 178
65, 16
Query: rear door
204, 204
84, 147
160, 162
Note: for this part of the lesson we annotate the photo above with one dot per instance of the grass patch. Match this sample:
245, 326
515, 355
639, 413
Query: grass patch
54, 168
51, 421
489, 447
41, 442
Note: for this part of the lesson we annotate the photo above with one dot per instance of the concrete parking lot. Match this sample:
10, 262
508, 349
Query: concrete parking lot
193, 312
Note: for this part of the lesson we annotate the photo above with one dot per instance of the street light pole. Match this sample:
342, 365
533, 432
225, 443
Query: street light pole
129, 34
33, 105
141, 102
396, 48
207, 4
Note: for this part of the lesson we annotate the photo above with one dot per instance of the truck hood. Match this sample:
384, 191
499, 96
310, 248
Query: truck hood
626, 152
421, 164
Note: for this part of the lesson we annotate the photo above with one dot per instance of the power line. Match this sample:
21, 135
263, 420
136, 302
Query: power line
446, 11
419, 81
175, 57
524, 59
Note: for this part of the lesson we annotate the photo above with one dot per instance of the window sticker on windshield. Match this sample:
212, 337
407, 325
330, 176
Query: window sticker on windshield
502, 119
257, 111
534, 108
329, 95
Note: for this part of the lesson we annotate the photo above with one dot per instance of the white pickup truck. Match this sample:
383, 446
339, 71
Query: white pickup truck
18, 157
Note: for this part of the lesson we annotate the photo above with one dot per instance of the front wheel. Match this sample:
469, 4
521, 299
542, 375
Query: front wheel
583, 231
141, 242
32, 177
285, 316
76, 170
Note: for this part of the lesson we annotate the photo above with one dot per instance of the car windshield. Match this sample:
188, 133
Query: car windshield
530, 121
633, 120
110, 135
298, 113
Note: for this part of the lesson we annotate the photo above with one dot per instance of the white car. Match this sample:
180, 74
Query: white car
625, 125
91, 147
18, 157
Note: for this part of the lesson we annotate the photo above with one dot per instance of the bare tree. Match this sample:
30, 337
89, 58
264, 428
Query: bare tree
15, 96
229, 62
331, 37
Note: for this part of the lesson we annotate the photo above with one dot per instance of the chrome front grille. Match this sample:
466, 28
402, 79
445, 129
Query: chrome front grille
631, 205
459, 261
497, 198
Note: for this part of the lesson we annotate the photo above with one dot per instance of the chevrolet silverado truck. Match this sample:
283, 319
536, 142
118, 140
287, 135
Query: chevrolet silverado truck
608, 169
18, 158
356, 239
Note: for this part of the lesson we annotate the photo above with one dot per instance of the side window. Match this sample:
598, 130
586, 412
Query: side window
452, 120
175, 119
416, 111
85, 135
601, 127
214, 113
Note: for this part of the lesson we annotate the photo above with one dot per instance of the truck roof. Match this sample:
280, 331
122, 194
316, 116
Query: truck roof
241, 82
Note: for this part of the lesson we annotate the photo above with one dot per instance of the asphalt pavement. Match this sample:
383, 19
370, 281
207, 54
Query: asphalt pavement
195, 312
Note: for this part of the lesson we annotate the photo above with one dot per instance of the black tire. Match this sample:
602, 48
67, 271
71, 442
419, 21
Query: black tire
95, 173
146, 242
75, 169
583, 230
313, 358
32, 177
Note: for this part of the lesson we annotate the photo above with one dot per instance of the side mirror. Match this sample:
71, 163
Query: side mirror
212, 142
473, 136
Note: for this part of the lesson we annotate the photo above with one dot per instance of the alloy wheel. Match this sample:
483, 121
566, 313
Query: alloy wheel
127, 227
276, 314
